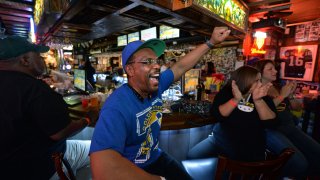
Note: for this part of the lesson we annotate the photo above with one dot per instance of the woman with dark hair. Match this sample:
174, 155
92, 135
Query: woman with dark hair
208, 70
242, 110
306, 160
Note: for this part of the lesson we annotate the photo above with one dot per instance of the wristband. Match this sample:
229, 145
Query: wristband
209, 44
87, 120
232, 103
280, 98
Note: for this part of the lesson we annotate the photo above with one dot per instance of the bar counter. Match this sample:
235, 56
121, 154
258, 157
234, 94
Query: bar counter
170, 121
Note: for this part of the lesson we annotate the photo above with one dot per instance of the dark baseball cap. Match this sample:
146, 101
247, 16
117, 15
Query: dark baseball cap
156, 45
14, 46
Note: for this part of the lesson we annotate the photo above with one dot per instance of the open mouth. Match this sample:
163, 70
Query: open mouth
154, 76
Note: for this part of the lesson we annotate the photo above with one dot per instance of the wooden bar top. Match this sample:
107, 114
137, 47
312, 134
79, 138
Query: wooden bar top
181, 120
170, 121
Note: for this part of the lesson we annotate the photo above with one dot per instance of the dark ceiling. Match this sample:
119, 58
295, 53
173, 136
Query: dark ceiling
87, 20
15, 16
84, 20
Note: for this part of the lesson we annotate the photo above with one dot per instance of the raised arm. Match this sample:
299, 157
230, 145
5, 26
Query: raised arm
226, 108
219, 34
109, 164
286, 91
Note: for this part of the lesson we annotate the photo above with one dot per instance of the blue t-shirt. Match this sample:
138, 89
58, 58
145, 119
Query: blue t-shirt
131, 126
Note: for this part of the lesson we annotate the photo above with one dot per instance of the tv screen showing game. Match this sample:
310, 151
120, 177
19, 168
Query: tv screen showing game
80, 79
122, 40
149, 33
133, 37
167, 32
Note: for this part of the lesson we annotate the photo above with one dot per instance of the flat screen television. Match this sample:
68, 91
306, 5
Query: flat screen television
122, 40
167, 32
100, 79
150, 33
133, 37
79, 79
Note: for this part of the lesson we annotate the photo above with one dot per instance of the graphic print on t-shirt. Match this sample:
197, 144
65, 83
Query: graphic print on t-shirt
148, 127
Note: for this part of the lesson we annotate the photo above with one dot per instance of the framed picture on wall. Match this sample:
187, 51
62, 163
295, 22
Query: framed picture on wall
298, 62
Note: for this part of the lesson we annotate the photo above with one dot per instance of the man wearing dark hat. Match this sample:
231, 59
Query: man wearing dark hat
34, 119
125, 140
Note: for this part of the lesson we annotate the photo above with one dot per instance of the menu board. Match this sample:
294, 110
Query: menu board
133, 37
122, 40
167, 32
230, 10
149, 33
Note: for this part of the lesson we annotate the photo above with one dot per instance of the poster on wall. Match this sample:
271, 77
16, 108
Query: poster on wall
314, 31
298, 62
307, 32
300, 33
190, 80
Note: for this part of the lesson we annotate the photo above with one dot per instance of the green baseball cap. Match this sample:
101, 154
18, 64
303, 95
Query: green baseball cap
14, 46
156, 45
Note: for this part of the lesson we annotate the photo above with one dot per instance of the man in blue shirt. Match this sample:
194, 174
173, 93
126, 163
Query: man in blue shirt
125, 141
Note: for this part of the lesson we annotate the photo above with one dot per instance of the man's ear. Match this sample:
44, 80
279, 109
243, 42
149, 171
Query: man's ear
129, 70
24, 60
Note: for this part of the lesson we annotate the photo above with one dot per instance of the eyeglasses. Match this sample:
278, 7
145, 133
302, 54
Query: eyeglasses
149, 61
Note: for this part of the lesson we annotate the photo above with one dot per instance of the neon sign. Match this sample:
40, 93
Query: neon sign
257, 51
258, 42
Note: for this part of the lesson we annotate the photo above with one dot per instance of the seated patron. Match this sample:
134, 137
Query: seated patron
34, 119
125, 140
242, 110
306, 159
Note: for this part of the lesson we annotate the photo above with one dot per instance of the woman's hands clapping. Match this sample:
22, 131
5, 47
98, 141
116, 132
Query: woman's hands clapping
235, 91
288, 89
260, 91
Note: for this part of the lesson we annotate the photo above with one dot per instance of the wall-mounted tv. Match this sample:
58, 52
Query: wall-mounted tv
150, 33
80, 79
122, 40
133, 37
167, 32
